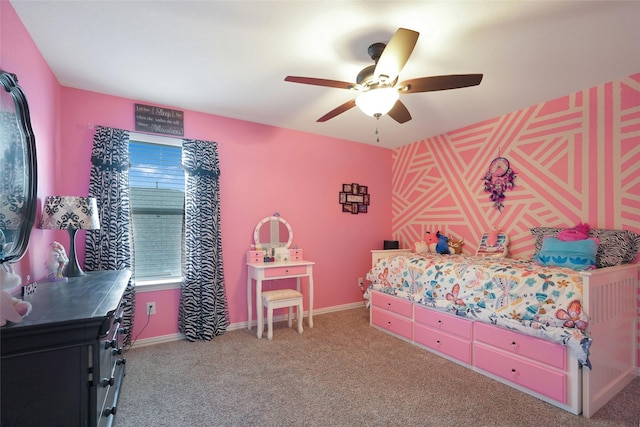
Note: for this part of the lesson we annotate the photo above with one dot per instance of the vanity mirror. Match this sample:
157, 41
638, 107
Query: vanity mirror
273, 232
18, 171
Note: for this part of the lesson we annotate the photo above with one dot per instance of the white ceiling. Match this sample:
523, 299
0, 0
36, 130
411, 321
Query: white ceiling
230, 58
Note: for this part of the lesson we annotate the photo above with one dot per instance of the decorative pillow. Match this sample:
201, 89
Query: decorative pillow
493, 244
576, 254
616, 247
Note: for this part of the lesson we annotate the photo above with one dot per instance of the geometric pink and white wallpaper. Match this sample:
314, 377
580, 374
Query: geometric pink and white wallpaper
577, 158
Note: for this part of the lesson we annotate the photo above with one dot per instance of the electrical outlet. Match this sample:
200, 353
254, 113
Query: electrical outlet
360, 282
151, 308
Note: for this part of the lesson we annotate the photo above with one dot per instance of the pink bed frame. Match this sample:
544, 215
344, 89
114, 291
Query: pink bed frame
610, 298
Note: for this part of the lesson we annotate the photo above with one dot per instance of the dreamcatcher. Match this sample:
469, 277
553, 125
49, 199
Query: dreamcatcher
499, 178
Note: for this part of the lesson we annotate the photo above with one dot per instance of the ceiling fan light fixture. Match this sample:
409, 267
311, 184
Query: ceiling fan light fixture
377, 102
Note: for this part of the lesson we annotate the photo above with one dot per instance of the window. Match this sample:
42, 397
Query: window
156, 182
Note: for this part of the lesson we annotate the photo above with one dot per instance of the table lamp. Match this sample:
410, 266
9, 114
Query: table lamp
70, 213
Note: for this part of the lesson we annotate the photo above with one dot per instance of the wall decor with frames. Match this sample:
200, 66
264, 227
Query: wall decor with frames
354, 198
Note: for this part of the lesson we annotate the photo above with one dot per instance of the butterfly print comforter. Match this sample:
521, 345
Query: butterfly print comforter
545, 302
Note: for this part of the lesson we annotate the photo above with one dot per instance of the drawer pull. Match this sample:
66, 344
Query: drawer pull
438, 342
388, 322
121, 361
440, 322
109, 411
107, 382
110, 344
514, 371
389, 304
116, 351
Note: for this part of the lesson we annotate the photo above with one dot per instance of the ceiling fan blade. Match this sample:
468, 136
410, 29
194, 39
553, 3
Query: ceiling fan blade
395, 55
434, 83
399, 112
319, 82
339, 110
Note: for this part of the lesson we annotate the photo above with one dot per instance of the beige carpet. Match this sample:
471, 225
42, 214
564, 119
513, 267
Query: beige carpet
340, 373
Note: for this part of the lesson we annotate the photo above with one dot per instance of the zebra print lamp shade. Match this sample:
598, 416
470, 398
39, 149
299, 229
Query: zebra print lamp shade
71, 213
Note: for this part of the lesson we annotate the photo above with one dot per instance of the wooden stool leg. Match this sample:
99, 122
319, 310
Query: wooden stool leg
269, 323
300, 315
290, 319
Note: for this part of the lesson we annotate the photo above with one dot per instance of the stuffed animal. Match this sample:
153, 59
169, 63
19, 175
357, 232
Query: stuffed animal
11, 309
442, 247
455, 246
421, 247
431, 240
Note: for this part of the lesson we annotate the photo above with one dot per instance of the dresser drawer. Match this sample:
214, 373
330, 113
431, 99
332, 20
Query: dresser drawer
285, 271
255, 256
392, 303
450, 345
295, 254
529, 375
444, 321
533, 348
391, 322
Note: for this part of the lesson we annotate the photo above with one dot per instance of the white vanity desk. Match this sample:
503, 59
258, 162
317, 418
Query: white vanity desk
273, 271
272, 260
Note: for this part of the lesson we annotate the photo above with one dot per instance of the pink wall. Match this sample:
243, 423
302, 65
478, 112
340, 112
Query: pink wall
577, 158
436, 182
264, 169
19, 55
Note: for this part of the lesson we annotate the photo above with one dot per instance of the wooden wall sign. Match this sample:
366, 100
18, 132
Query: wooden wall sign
159, 120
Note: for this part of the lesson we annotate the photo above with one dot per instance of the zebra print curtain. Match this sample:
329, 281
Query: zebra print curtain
203, 310
111, 247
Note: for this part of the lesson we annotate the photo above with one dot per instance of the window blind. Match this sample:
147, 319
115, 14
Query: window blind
156, 182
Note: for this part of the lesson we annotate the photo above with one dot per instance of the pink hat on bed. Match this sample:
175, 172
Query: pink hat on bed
579, 232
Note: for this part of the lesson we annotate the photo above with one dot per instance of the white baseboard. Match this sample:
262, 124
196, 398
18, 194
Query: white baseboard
243, 325
158, 340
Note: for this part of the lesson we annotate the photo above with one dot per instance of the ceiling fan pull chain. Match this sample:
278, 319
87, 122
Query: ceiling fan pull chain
377, 135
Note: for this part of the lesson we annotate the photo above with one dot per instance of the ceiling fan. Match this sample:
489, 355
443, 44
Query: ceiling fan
378, 83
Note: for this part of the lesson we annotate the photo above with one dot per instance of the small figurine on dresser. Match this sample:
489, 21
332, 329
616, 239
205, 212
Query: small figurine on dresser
56, 262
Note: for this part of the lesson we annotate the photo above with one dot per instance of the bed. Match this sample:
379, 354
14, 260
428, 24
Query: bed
567, 337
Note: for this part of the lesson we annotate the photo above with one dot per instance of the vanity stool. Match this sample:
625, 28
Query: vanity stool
282, 298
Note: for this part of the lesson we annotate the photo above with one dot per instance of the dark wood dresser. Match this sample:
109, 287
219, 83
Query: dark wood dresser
63, 364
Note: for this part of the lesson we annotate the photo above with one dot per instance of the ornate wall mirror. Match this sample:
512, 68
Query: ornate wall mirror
273, 232
18, 171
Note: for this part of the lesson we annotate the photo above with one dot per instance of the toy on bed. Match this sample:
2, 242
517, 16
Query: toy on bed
431, 239
442, 247
455, 246
493, 244
427, 245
